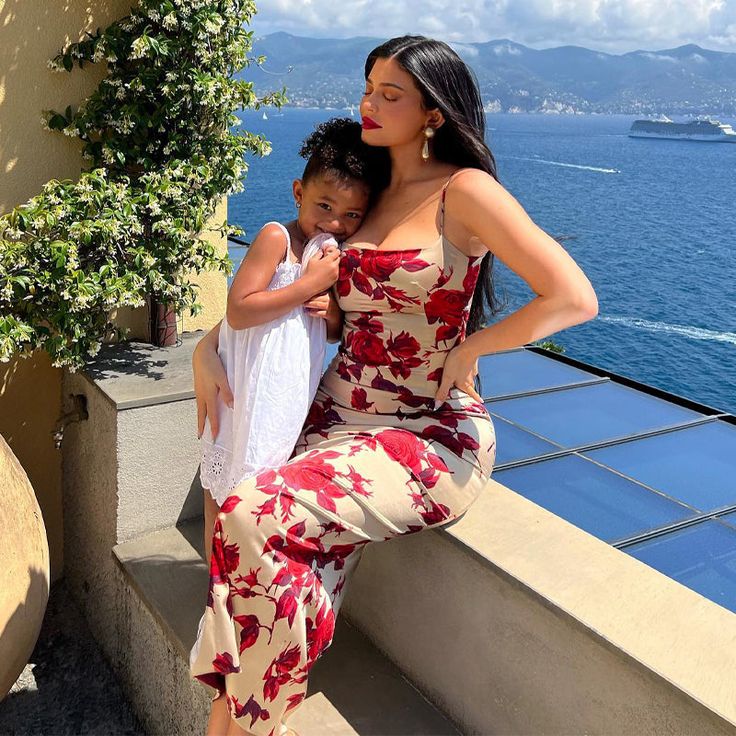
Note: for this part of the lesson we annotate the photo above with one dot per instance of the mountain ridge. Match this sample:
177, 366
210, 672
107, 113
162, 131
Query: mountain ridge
684, 80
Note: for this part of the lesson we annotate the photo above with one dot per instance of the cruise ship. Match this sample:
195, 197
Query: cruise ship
699, 129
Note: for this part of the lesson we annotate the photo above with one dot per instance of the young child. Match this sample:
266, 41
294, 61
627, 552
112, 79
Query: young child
272, 342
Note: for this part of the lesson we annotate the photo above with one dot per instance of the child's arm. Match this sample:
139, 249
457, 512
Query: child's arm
248, 301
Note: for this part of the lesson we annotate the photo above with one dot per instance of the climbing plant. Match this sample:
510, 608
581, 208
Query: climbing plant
161, 147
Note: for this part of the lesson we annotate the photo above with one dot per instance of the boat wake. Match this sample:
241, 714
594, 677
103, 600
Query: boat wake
597, 169
695, 333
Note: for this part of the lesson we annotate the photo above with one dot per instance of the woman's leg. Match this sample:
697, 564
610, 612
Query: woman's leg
210, 511
284, 545
220, 722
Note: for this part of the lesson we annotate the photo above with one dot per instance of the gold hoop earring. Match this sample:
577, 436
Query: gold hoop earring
428, 133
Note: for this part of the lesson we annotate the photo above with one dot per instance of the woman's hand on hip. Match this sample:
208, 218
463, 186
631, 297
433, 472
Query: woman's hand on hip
210, 379
459, 371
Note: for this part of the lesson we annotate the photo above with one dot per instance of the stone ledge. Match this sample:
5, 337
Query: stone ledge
545, 628
675, 632
353, 690
136, 374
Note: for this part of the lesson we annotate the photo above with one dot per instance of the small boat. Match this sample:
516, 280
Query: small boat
264, 116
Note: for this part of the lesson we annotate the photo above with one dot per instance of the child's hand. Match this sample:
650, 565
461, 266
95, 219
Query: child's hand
323, 269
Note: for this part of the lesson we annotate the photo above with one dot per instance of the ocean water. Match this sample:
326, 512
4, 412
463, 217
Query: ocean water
650, 222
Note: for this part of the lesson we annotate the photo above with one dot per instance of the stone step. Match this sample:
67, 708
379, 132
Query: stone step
353, 689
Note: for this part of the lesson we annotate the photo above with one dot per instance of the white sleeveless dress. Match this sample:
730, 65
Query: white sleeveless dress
273, 370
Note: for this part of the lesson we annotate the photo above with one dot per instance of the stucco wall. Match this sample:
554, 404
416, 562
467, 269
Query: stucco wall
31, 32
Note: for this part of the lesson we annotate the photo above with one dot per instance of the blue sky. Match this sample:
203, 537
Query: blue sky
614, 26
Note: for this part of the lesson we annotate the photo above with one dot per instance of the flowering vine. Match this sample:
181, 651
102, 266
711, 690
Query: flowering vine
161, 147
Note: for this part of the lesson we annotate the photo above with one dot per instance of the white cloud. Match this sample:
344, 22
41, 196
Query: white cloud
613, 26
658, 57
505, 48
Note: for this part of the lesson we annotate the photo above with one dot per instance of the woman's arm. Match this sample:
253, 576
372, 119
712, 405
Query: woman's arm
248, 301
324, 306
565, 296
335, 318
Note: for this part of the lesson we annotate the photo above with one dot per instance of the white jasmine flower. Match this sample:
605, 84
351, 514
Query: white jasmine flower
169, 22
138, 48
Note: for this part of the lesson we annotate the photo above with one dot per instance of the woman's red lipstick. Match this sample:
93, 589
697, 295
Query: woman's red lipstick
369, 124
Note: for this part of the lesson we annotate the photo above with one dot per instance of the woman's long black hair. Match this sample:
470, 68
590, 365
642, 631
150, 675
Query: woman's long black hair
447, 83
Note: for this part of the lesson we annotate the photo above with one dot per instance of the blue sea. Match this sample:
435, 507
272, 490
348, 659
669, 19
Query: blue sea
650, 222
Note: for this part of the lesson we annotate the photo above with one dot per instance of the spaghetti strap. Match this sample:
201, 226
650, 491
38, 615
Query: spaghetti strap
442, 200
287, 257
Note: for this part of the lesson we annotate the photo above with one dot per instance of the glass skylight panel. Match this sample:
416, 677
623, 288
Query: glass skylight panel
524, 370
701, 557
587, 414
695, 465
595, 499
513, 443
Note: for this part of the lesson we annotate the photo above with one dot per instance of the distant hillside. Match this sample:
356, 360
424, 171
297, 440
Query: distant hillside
516, 78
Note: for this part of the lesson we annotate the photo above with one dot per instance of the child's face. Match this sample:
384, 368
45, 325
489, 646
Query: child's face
331, 206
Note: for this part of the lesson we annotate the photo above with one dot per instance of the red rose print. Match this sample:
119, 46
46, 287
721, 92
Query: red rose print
403, 345
369, 349
229, 504
249, 631
309, 474
286, 607
402, 446
359, 399
368, 323
223, 663
361, 283
225, 557
439, 512
380, 266
288, 659
446, 305
383, 384
250, 708
471, 278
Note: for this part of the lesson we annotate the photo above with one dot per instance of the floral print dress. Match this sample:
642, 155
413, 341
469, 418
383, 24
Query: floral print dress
376, 459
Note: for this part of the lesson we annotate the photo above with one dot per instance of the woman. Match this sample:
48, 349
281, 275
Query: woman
397, 439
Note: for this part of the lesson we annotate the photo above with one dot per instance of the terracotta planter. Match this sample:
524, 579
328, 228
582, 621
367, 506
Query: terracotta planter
24, 569
164, 331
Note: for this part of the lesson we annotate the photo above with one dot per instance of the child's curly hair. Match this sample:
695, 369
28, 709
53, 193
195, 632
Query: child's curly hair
335, 149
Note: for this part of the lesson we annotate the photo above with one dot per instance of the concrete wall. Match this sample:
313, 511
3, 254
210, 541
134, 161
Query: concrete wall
514, 621
31, 32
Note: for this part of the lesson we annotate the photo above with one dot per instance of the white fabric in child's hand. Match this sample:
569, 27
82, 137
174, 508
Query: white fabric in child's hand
316, 244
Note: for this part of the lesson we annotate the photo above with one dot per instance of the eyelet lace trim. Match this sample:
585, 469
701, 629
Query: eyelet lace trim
217, 474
